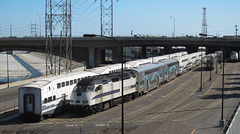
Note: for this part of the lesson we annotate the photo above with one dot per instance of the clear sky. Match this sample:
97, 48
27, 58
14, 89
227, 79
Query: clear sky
144, 17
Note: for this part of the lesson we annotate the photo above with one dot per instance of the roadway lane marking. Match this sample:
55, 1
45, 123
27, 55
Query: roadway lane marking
207, 107
141, 109
159, 115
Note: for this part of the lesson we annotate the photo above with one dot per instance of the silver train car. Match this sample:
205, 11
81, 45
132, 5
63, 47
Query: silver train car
47, 96
211, 61
94, 94
234, 56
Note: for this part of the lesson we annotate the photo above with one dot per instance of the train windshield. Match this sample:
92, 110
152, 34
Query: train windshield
83, 88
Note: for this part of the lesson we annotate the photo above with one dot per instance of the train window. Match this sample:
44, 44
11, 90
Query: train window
63, 84
67, 83
45, 100
54, 97
126, 76
49, 88
133, 75
59, 85
184, 60
115, 79
49, 99
30, 99
75, 81
78, 79
97, 88
71, 82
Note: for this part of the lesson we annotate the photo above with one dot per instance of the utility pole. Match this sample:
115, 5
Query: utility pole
39, 25
236, 30
57, 19
10, 30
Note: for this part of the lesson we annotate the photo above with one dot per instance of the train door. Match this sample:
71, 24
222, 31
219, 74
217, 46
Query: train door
28, 103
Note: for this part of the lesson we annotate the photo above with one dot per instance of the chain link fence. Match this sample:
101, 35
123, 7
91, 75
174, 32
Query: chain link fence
233, 125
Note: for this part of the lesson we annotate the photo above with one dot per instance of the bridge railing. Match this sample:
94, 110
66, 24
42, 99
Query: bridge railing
233, 125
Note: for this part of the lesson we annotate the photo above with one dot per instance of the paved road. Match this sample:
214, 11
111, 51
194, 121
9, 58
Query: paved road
175, 107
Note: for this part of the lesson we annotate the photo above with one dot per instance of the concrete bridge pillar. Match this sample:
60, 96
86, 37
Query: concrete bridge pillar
116, 54
168, 49
92, 55
144, 52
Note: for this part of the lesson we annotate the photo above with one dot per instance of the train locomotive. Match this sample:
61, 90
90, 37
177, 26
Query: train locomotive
94, 94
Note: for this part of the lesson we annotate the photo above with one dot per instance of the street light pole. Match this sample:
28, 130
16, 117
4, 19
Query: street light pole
39, 24
222, 121
173, 26
201, 88
122, 97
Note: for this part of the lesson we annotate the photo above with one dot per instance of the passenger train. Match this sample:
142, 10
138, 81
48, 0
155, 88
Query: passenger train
94, 94
212, 60
49, 95
234, 56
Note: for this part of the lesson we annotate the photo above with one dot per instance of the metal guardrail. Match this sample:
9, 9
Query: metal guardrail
233, 125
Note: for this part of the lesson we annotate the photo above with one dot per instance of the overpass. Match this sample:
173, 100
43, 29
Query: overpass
92, 49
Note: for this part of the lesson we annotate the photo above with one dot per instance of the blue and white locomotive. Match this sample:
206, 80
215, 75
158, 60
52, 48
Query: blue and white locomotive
94, 94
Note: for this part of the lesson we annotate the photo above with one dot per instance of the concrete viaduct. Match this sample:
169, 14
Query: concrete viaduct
92, 49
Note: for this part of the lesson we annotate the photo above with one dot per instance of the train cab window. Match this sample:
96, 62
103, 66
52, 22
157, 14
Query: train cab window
75, 81
97, 88
67, 83
59, 85
45, 100
133, 75
54, 97
63, 84
49, 99
126, 76
115, 79
71, 82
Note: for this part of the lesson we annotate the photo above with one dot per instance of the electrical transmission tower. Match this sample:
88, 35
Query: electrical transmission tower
204, 22
58, 36
106, 17
33, 28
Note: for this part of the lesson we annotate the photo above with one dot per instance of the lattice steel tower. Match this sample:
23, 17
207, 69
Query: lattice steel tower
204, 22
106, 17
58, 32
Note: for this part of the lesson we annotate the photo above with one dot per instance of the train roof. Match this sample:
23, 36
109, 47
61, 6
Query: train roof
39, 83
99, 79
148, 66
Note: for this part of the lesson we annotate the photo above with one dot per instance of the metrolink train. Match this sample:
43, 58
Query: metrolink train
212, 60
50, 95
94, 94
